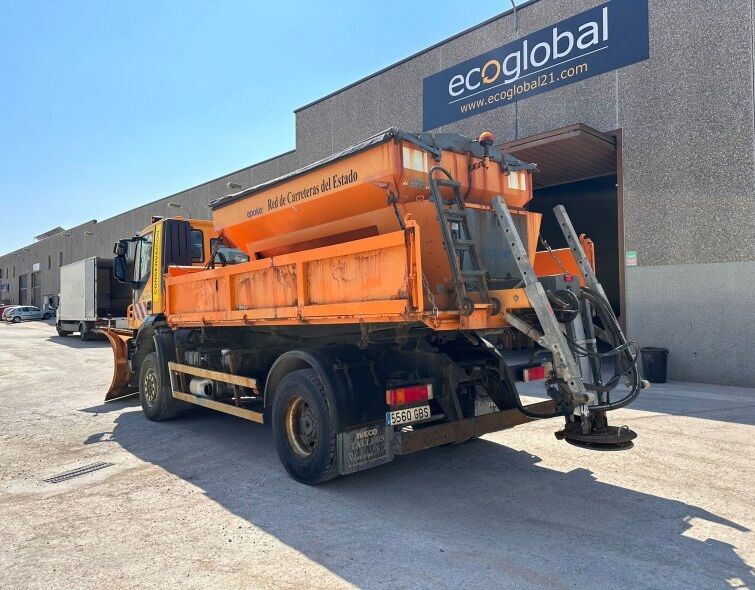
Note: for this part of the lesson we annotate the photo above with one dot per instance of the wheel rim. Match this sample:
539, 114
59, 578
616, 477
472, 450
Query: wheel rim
301, 427
150, 387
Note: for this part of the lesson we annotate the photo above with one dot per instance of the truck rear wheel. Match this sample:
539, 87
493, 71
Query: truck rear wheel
157, 402
61, 332
86, 335
304, 429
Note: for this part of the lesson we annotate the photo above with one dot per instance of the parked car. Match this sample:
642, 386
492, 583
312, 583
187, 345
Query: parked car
6, 310
26, 312
4, 307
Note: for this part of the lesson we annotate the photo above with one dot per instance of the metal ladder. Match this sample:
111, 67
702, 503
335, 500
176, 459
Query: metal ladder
552, 338
572, 240
454, 224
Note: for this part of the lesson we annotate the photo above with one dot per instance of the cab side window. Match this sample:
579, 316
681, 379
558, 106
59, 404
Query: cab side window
231, 255
197, 245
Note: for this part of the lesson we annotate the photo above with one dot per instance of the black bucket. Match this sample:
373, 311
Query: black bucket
654, 363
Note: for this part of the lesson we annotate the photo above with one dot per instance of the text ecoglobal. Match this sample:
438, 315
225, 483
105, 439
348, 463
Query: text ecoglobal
605, 38
519, 62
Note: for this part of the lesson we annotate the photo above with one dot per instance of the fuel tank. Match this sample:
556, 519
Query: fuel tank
363, 190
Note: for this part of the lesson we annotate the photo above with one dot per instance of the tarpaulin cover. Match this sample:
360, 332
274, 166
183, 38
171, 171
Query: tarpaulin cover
431, 142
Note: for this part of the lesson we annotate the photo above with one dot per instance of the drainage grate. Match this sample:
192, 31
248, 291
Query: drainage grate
77, 472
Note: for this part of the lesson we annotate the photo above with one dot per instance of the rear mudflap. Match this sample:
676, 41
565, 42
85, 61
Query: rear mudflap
364, 447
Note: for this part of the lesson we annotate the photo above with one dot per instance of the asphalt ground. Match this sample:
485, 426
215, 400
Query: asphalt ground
93, 495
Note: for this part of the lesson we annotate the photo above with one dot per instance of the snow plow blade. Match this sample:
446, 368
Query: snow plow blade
121, 385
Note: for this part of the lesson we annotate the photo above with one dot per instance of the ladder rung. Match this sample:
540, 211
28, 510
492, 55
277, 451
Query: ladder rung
459, 244
448, 183
456, 215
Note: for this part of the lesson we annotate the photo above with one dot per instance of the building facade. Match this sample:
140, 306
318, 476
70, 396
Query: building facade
653, 155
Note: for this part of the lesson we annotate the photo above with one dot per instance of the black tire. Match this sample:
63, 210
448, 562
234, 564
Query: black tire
61, 332
46, 316
86, 335
16, 320
157, 402
304, 429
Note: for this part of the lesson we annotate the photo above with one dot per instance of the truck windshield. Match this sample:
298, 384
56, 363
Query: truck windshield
143, 258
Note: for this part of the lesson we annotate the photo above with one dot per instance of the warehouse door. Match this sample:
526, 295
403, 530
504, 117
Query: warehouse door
36, 289
22, 290
578, 167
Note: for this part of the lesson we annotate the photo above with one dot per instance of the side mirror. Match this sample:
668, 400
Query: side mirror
120, 269
121, 248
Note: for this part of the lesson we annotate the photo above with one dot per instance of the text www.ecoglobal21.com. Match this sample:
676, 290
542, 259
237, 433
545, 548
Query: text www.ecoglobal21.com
520, 89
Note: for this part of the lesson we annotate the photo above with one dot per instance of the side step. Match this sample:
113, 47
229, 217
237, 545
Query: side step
219, 406
178, 373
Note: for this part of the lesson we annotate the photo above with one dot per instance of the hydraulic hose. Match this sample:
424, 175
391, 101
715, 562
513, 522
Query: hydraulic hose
622, 352
512, 388
535, 415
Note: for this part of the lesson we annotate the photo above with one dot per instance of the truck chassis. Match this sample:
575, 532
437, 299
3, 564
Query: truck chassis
331, 391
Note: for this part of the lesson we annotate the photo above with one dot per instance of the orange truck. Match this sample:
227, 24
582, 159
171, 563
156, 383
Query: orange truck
361, 306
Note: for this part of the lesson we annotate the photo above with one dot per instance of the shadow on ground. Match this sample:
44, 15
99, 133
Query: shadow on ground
117, 405
677, 398
473, 515
76, 342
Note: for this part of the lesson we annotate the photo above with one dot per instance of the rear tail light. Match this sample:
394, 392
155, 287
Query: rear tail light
534, 374
411, 394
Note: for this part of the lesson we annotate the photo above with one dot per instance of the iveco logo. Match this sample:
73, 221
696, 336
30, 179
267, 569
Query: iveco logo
563, 46
367, 433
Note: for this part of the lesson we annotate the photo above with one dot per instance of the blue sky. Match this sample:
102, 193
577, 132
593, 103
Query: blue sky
108, 105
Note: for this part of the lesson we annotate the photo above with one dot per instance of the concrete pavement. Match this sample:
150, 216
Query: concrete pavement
203, 502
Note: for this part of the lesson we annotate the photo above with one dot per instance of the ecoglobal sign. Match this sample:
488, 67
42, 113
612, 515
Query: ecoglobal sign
610, 36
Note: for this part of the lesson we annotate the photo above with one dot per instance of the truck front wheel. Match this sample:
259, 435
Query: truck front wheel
304, 429
157, 402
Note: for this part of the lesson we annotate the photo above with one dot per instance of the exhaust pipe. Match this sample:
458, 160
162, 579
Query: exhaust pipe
201, 387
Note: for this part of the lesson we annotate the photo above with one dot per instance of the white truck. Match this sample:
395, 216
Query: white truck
90, 298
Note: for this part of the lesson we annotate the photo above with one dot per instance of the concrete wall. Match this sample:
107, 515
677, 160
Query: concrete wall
689, 167
703, 313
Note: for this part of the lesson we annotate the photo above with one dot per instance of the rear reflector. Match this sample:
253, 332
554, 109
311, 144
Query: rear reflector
411, 394
534, 374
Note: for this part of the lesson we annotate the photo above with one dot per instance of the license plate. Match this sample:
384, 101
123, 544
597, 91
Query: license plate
407, 416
